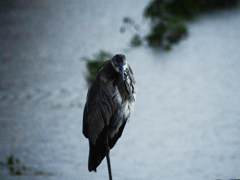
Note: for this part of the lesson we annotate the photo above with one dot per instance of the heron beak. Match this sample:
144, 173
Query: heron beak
121, 71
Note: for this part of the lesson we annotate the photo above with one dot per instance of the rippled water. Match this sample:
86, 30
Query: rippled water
186, 119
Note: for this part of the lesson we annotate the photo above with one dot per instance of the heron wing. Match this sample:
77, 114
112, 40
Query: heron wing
100, 114
100, 105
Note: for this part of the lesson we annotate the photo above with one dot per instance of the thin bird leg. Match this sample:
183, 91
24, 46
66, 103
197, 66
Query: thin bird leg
108, 160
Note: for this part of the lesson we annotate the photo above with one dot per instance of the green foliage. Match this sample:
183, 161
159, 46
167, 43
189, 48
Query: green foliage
128, 20
176, 32
184, 9
16, 168
129, 24
156, 37
94, 64
136, 40
168, 19
14, 165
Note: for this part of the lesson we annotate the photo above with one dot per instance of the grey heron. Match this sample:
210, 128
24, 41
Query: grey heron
110, 100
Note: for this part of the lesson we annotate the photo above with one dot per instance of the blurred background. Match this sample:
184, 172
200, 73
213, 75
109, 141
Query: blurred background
185, 58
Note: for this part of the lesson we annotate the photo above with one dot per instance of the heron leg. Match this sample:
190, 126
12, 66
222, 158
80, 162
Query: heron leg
108, 160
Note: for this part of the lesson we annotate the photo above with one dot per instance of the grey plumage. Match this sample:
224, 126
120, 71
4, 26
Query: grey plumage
110, 100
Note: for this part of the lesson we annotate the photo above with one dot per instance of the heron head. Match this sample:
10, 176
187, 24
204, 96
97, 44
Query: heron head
119, 63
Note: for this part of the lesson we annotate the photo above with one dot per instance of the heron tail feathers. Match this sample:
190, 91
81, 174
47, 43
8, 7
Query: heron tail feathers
96, 155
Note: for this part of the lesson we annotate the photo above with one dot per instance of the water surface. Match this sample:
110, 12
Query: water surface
186, 119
